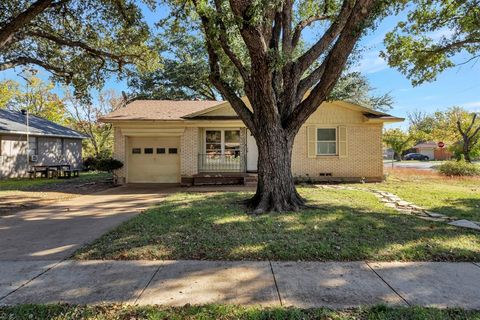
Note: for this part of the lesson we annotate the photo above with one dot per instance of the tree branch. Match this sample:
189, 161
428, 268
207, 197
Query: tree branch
325, 41
334, 63
79, 44
27, 60
303, 24
226, 47
9, 29
216, 78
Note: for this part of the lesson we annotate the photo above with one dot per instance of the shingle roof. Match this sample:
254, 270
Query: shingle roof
159, 110
15, 122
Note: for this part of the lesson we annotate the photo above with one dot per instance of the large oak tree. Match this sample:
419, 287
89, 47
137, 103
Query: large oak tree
284, 86
80, 42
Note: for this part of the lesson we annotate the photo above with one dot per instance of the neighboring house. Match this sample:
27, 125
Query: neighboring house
197, 142
49, 143
431, 149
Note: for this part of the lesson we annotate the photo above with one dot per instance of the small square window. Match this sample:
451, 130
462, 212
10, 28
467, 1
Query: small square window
172, 150
148, 150
136, 150
160, 150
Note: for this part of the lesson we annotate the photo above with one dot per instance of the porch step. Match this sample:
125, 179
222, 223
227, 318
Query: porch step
230, 178
250, 180
217, 180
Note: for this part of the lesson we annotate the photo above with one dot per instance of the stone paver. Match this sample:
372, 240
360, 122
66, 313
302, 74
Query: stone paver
433, 284
331, 284
14, 274
56, 231
200, 282
465, 224
87, 282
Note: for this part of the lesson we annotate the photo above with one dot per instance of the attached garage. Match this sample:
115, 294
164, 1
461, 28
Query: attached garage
153, 159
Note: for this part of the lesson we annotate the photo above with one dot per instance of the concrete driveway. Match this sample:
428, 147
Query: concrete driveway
55, 231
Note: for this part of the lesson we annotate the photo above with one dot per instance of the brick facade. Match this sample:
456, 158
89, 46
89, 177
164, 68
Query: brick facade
363, 159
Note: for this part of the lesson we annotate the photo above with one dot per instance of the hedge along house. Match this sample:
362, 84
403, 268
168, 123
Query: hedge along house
48, 143
203, 142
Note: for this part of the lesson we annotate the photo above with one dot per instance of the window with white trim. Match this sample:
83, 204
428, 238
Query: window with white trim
222, 142
326, 141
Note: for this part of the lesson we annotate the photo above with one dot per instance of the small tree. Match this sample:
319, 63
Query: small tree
398, 140
85, 118
468, 127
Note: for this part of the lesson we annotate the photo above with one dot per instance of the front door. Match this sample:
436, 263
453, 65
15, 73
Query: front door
252, 153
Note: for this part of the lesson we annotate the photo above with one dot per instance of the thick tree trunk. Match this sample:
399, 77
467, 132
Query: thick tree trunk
275, 189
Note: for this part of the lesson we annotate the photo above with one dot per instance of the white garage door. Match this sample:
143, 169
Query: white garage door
153, 160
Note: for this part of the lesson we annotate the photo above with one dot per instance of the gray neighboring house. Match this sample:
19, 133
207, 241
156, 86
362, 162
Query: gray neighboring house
49, 143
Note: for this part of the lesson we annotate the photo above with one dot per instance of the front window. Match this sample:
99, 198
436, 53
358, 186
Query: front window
326, 141
222, 142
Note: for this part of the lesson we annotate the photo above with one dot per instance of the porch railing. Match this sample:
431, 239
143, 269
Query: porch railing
214, 162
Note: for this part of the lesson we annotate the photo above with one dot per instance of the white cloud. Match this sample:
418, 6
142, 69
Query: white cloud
371, 63
472, 106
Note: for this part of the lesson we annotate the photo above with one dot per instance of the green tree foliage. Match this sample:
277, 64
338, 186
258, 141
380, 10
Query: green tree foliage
457, 127
79, 42
36, 96
85, 117
355, 88
398, 140
434, 33
185, 71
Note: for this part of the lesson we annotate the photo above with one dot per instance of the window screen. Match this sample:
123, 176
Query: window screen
160, 150
326, 141
172, 150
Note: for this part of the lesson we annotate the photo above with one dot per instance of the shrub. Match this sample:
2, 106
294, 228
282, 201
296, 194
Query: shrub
108, 164
459, 168
89, 163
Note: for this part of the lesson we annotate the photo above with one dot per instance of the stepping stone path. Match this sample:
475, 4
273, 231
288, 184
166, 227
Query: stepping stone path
393, 201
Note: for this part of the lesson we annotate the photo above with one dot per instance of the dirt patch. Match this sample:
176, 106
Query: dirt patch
12, 202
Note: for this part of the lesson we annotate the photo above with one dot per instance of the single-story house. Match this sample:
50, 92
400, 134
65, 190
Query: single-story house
196, 142
48, 143
433, 151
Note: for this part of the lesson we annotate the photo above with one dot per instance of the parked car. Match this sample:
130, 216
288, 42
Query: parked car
416, 156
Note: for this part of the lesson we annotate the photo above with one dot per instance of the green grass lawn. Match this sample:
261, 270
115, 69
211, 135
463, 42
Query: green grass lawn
348, 225
214, 312
450, 196
29, 184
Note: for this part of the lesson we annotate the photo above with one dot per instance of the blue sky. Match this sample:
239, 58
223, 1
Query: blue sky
455, 87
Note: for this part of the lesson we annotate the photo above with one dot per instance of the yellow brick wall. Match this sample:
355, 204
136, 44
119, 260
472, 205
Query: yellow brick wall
364, 155
189, 144
119, 154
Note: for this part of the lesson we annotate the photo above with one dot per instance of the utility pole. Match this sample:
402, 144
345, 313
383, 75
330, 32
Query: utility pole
25, 113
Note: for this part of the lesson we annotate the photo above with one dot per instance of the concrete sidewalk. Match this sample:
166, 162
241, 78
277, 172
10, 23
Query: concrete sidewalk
302, 284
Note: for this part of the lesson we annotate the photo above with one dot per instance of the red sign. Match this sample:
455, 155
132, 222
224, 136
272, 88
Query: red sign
441, 144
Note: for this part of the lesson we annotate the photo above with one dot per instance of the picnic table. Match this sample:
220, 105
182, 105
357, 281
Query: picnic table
59, 170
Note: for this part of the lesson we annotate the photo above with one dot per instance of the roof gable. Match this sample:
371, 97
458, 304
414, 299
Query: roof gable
15, 122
